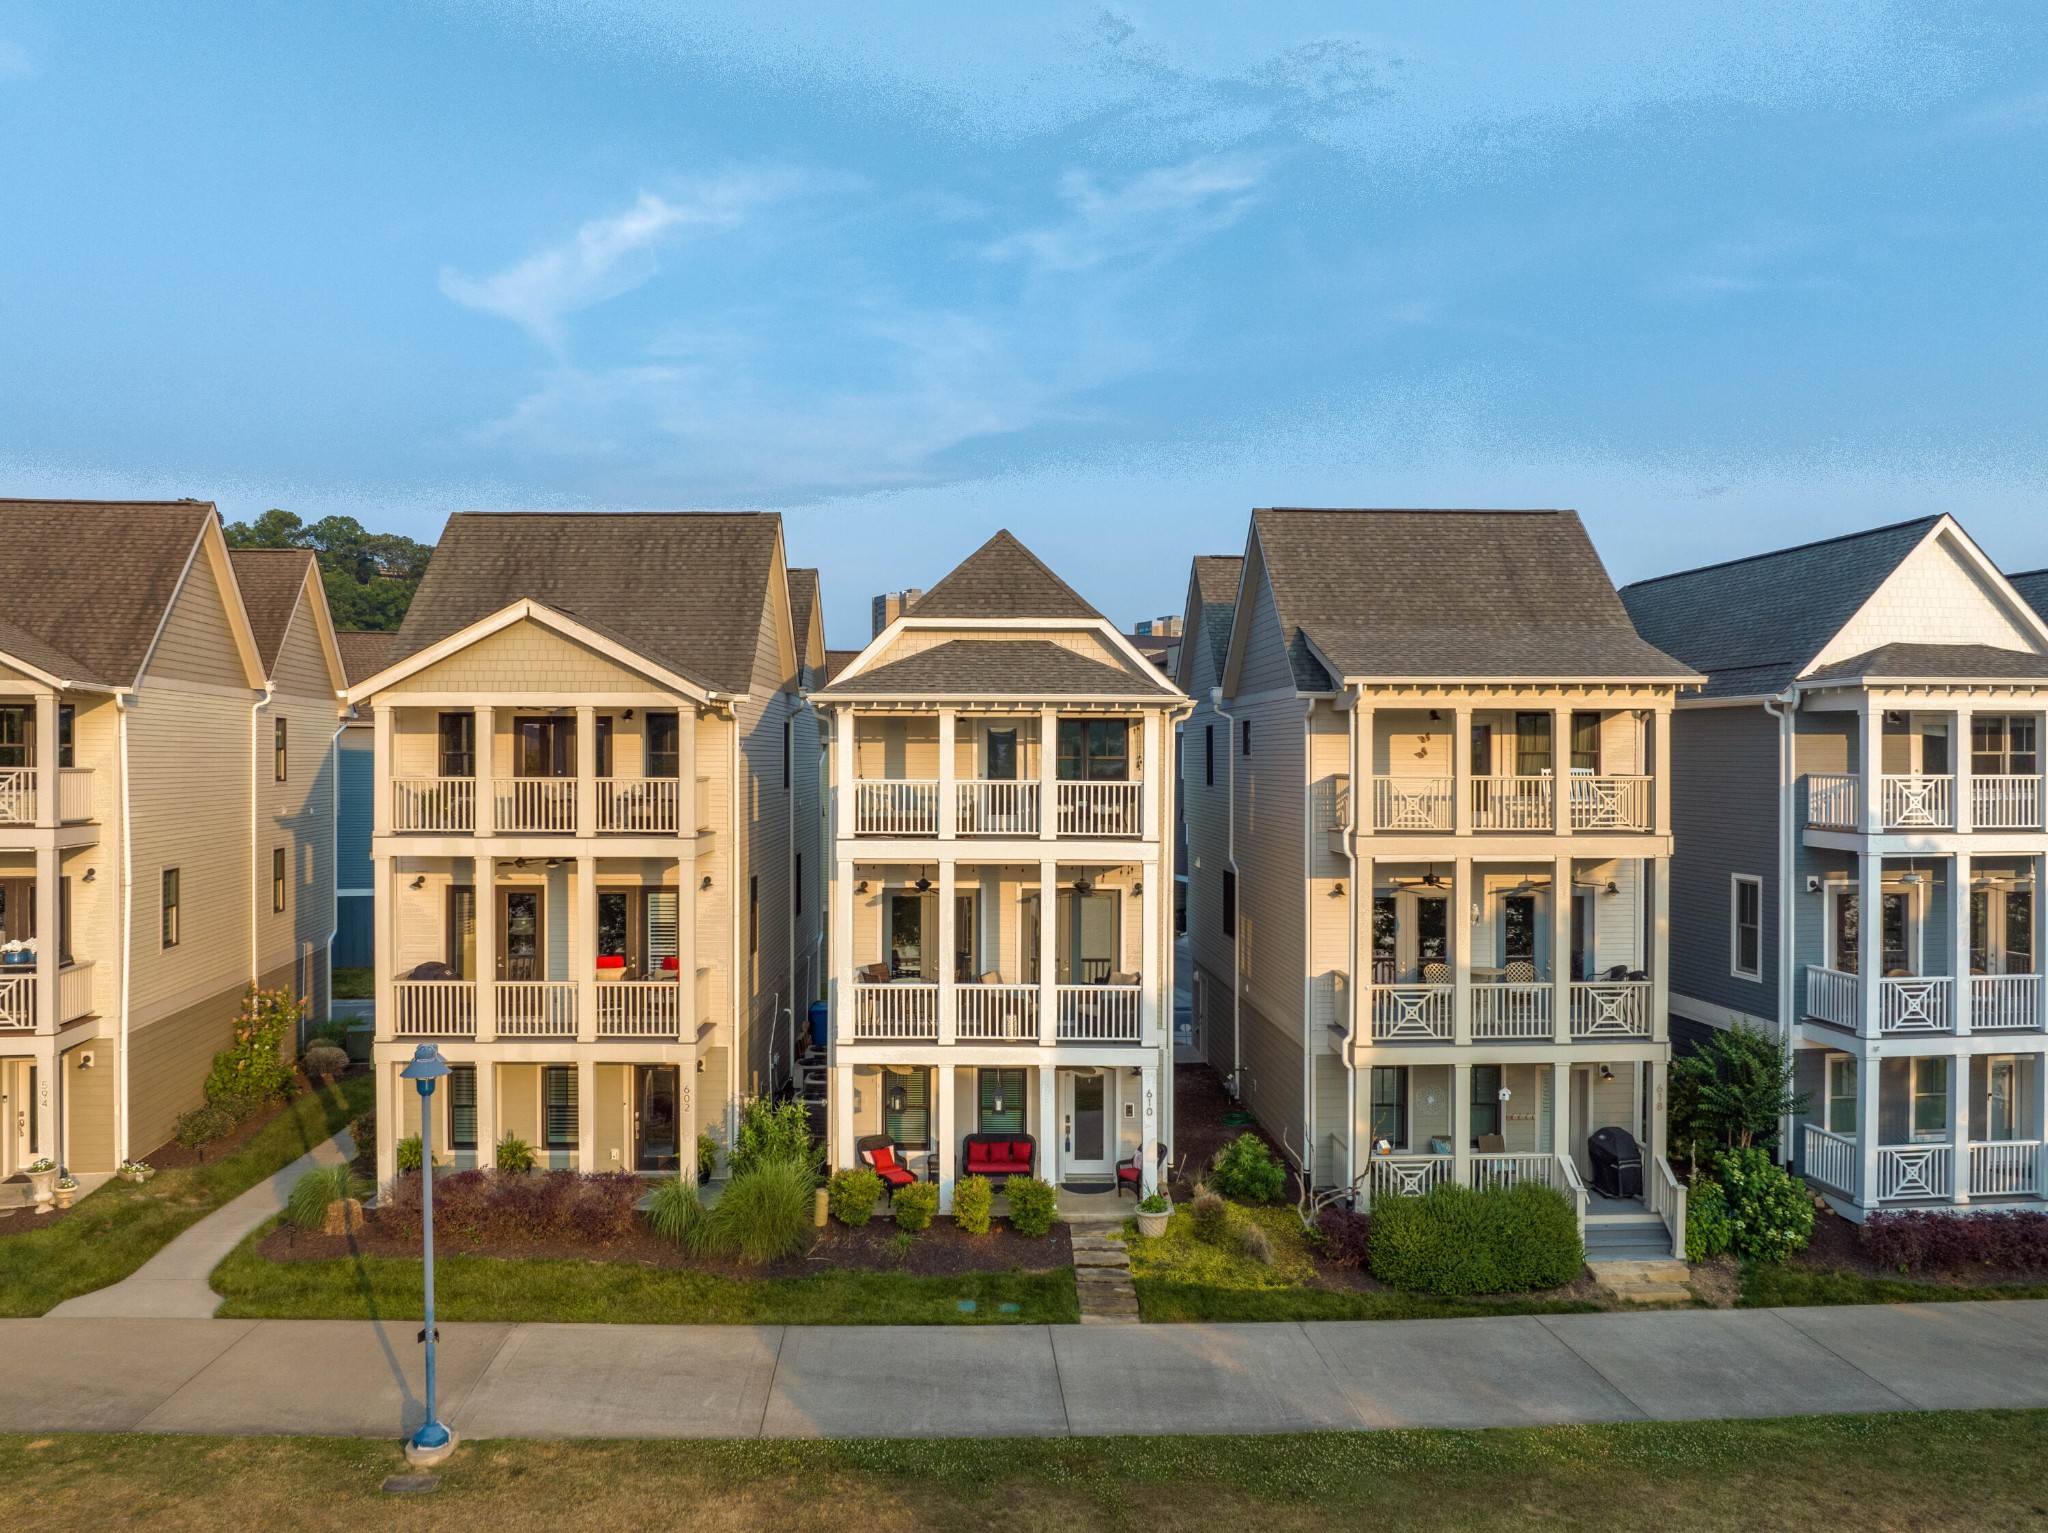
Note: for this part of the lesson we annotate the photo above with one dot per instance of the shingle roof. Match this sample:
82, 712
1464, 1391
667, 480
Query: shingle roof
837, 660
1002, 579
803, 602
997, 668
1216, 577
685, 589
1937, 662
2033, 588
363, 653
270, 580
85, 583
1754, 624
1448, 594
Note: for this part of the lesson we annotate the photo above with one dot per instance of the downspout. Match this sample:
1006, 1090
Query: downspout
1235, 1084
1782, 708
334, 866
255, 839
1350, 854
123, 1148
1308, 927
734, 922
789, 864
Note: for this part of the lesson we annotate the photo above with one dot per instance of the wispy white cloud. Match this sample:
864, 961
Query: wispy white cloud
1149, 218
612, 255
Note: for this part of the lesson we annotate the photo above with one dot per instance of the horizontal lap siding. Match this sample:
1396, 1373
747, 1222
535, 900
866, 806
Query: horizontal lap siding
89, 1108
298, 814
168, 1062
1724, 817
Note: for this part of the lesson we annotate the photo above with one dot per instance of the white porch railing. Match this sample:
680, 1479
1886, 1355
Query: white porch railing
1913, 802
1511, 1011
1913, 1171
1575, 1190
433, 804
1831, 1159
1833, 801
528, 805
886, 806
1411, 803
75, 795
2005, 1003
996, 1013
1511, 803
639, 806
1098, 1013
1833, 996
74, 991
639, 1008
18, 1003
2005, 1168
1611, 1008
1496, 1170
906, 1012
2005, 803
18, 796
433, 1008
1101, 808
1411, 1013
536, 1008
1404, 1176
1913, 1005
990, 807
1665, 1195
1610, 803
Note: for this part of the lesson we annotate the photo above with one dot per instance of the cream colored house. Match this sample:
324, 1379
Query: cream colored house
1002, 804
1430, 842
590, 762
162, 756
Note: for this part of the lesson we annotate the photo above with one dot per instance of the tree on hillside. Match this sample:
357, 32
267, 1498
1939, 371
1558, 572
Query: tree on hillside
370, 576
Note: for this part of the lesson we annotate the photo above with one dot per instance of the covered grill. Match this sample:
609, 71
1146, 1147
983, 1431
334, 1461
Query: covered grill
1617, 1163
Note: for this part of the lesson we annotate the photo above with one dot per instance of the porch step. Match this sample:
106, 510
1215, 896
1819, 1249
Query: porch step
1102, 1279
1651, 1281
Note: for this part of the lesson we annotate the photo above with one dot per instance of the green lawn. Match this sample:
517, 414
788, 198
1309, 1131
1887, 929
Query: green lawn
1772, 1286
110, 1234
1180, 1278
1926, 1471
355, 983
493, 1288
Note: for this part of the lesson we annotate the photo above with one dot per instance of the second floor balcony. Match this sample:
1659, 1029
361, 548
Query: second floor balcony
1595, 802
21, 798
543, 805
1924, 801
902, 807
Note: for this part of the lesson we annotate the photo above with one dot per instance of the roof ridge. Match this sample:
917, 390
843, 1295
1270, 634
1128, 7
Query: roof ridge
1779, 553
1423, 511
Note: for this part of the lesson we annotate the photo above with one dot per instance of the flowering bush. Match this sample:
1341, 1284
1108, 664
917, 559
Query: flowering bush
1770, 1215
1925, 1240
253, 1066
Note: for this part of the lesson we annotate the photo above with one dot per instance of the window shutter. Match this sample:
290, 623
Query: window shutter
558, 1106
661, 926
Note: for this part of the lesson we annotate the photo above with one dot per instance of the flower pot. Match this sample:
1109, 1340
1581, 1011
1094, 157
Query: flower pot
64, 1195
1152, 1226
42, 1187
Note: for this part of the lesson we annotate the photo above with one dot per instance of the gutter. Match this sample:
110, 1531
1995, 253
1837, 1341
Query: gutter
255, 851
1782, 707
734, 920
1235, 1083
334, 864
122, 703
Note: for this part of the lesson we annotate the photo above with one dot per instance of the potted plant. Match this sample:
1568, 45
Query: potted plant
136, 1171
21, 950
1153, 1212
42, 1183
65, 1190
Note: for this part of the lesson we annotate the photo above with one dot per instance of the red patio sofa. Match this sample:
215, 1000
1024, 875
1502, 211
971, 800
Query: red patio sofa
998, 1156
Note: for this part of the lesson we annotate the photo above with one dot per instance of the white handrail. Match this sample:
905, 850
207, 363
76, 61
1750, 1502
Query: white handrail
2005, 802
996, 1012
18, 1003
1917, 1005
18, 796
995, 807
639, 1008
1610, 803
1511, 803
75, 795
1832, 1159
1833, 996
1098, 1013
644, 806
2005, 1003
1575, 1189
1405, 1176
1912, 801
1511, 1011
446, 805
1668, 1194
901, 1011
1610, 1008
1411, 803
2005, 1168
894, 806
1101, 808
1913, 1171
74, 991
1411, 1013
545, 805
536, 1008
433, 1008
1833, 801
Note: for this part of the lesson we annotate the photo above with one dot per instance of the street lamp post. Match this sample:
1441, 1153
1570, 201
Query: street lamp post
433, 1442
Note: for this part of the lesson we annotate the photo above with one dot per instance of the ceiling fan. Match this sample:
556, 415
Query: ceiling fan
1430, 880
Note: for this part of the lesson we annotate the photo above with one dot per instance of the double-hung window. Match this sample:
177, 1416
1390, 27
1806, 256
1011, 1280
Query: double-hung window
278, 881
664, 745
1746, 927
280, 756
558, 1106
457, 743
1842, 1094
171, 895
1390, 1105
462, 1107
1930, 1097
1094, 750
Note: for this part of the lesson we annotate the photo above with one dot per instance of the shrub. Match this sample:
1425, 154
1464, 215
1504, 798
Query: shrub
768, 1133
254, 1064
323, 1061
1253, 1243
1345, 1237
1033, 1204
707, 1154
1248, 1171
915, 1205
1707, 1231
1213, 1219
973, 1200
362, 1133
484, 1207
675, 1213
203, 1125
1457, 1241
852, 1194
764, 1213
409, 1153
241, 1107
1770, 1215
315, 1190
1928, 1240
1156, 1203
513, 1154
1731, 1093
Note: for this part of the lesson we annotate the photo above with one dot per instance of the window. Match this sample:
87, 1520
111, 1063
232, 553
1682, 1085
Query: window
1001, 1105
1229, 903
1482, 749
280, 757
1390, 1105
544, 747
67, 749
906, 1114
785, 752
1208, 755
1486, 1108
1532, 744
798, 899
1386, 927
1518, 929
1847, 934
754, 914
170, 903
458, 745
999, 753
1586, 742
603, 731
17, 737
1842, 1094
1245, 744
1094, 750
1930, 1097
2001, 747
664, 745
1746, 927
63, 921
558, 1106
462, 1107
277, 880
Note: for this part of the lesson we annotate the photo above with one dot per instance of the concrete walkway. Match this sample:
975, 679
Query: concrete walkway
361, 1378
172, 1285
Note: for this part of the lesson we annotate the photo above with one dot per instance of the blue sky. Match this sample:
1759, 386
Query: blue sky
1721, 275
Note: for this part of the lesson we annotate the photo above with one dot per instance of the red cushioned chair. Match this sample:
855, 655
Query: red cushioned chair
1130, 1174
878, 1153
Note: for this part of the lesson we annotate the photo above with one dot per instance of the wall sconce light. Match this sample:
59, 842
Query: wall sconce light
1137, 888
554, 862
1813, 883
923, 885
706, 882
629, 713
896, 1099
995, 1102
1337, 890
863, 889
420, 882
91, 874
1607, 1072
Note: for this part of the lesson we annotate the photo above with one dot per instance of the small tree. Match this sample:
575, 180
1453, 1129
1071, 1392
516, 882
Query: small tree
1732, 1093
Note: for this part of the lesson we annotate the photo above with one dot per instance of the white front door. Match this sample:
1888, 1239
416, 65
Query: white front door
1087, 1123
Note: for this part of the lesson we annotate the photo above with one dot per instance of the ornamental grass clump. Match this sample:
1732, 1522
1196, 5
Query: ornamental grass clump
973, 1201
1248, 1171
1214, 1219
1455, 1240
1770, 1215
675, 1212
318, 1190
764, 1213
1033, 1205
852, 1195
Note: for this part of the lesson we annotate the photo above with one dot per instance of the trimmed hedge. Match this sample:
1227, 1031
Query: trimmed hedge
852, 1195
915, 1205
1456, 1241
1927, 1240
1033, 1204
973, 1199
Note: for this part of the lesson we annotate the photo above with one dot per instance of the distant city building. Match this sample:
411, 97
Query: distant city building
1158, 628
891, 605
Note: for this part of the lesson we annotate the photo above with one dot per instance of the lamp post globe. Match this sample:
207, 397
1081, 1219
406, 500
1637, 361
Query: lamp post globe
433, 1442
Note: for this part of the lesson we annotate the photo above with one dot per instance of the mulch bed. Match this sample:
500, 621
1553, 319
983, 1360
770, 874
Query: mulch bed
19, 1221
1199, 1132
170, 1153
941, 1251
1837, 1247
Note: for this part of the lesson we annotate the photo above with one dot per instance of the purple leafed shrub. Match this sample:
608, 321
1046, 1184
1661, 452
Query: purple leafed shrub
1346, 1236
1922, 1240
492, 1207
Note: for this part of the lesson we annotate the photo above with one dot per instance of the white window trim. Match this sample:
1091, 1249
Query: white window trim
1829, 1096
1735, 883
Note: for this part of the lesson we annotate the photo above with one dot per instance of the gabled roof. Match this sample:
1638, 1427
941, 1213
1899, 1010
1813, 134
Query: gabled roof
1030, 668
1212, 601
837, 660
2033, 588
1935, 663
86, 583
684, 589
1002, 579
364, 653
1446, 595
271, 581
803, 604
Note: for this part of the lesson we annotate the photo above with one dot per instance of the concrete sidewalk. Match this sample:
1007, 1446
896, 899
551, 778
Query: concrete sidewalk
360, 1378
172, 1285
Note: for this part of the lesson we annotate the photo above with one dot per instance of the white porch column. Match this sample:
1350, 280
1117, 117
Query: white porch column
486, 1113
1461, 1123
1959, 1126
46, 760
1048, 954
486, 742
1563, 904
1364, 815
1155, 770
380, 771
1959, 945
1048, 1123
1561, 1109
386, 1071
484, 879
841, 992
1561, 771
1867, 1074
1153, 1028
1660, 781
1458, 930
586, 1116
949, 767
586, 770
583, 949
384, 933
1870, 765
48, 1019
1048, 778
1959, 763
842, 1117
687, 878
949, 945
949, 1141
1869, 938
1148, 1131
1461, 770
1659, 869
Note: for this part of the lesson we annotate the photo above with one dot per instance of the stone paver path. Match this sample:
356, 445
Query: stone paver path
1102, 1274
